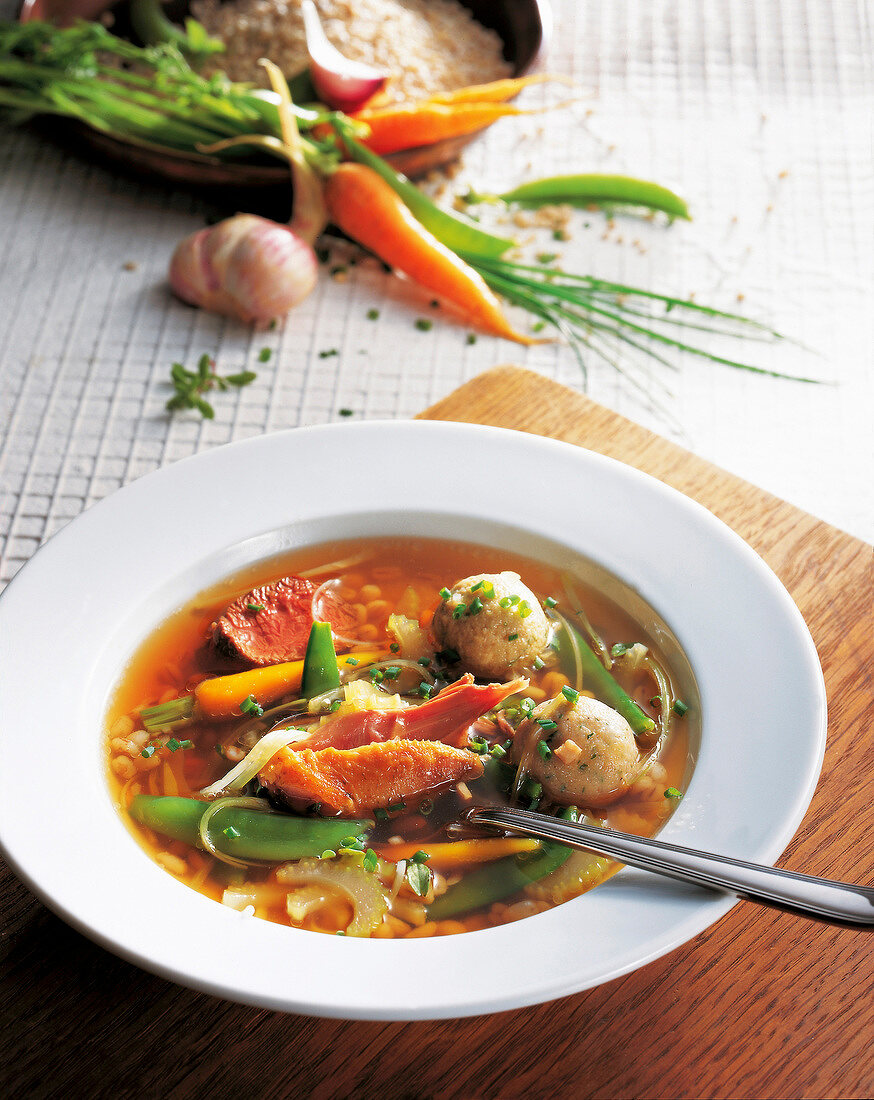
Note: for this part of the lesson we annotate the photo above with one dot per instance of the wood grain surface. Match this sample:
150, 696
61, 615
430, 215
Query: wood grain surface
760, 1005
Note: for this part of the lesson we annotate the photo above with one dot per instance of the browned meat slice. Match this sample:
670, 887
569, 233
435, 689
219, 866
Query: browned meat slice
272, 623
352, 781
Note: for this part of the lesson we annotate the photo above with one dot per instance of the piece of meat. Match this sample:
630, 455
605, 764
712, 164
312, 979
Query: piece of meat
272, 623
353, 781
447, 717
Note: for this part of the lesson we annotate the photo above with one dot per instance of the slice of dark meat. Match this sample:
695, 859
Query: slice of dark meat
272, 623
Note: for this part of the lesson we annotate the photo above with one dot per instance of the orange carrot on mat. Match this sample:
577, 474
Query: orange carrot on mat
498, 91
368, 210
406, 126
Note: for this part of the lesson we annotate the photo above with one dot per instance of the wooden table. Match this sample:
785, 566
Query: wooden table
762, 1004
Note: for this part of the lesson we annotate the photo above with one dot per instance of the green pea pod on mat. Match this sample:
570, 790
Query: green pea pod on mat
260, 835
592, 188
495, 881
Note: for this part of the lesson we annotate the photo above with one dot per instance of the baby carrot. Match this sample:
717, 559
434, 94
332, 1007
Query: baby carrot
366, 208
221, 696
406, 126
498, 91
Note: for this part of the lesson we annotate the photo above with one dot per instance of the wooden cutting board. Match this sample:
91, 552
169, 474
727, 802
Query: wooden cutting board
762, 1004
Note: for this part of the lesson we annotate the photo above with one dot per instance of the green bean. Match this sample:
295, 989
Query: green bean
599, 680
584, 189
262, 835
320, 671
453, 232
494, 881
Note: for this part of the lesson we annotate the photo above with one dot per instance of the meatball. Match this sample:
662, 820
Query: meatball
594, 758
494, 623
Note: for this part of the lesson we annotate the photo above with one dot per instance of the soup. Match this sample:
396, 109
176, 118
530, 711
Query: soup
302, 742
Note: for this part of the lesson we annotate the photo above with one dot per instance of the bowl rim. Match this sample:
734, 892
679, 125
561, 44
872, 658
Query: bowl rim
366, 979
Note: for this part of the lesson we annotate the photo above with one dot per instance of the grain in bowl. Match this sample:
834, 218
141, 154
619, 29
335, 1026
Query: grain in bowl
428, 45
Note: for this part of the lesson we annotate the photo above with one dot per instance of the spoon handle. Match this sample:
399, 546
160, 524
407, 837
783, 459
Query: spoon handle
820, 898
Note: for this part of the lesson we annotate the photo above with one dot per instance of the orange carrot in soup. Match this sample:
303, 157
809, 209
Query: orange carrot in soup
406, 126
368, 210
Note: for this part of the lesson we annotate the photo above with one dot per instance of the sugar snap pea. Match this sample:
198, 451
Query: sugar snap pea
261, 835
495, 881
320, 672
587, 188
599, 680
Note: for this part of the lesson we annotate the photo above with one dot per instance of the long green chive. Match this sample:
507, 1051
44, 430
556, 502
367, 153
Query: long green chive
250, 706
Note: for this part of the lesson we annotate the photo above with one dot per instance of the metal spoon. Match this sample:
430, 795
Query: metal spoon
819, 898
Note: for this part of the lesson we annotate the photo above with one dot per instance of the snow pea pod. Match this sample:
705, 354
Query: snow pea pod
262, 835
599, 680
495, 881
320, 671
587, 188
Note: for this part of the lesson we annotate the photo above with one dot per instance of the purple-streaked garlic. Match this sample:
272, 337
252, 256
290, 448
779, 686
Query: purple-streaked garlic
340, 83
246, 267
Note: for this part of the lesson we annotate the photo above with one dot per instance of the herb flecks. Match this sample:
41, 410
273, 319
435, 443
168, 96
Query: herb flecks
191, 385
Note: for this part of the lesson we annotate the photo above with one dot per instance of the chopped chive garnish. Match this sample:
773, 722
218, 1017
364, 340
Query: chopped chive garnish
497, 751
550, 602
459, 612
254, 606
335, 705
547, 724
476, 587
471, 338
425, 690
328, 352
680, 707
186, 744
424, 661
445, 593
392, 672
345, 412
380, 814
477, 744
148, 752
372, 314
423, 324
476, 605
426, 808
377, 675
488, 590
505, 601
656, 699
538, 663
512, 637
173, 744
264, 354
250, 706
396, 807
547, 257
328, 854
544, 750
524, 609
230, 832
620, 649
532, 789
421, 856
352, 843
351, 660
394, 648
571, 694
370, 860
672, 792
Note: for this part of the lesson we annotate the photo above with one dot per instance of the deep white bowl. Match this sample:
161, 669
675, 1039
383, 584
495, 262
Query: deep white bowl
72, 617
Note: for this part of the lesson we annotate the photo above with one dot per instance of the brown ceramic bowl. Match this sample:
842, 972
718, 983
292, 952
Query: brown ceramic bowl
523, 25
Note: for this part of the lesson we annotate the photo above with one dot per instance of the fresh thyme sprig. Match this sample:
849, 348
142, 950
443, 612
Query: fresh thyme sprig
191, 385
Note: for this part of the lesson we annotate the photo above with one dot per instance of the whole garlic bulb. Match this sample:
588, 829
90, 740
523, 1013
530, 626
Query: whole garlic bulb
246, 267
